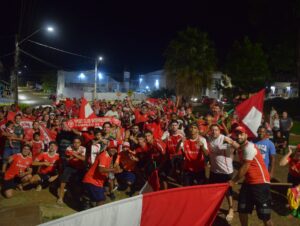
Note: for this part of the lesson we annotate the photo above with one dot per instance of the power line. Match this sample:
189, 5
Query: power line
38, 59
8, 54
60, 50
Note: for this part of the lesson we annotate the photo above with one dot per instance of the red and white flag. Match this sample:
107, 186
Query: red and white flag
85, 110
194, 205
250, 112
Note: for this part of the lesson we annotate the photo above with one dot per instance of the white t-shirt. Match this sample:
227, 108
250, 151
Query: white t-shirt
112, 114
221, 155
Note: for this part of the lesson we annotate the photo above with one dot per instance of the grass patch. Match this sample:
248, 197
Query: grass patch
296, 128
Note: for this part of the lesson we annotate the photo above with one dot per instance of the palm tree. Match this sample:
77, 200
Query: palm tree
190, 62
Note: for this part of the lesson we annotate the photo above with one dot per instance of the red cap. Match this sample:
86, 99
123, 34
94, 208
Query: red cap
298, 146
240, 129
112, 144
151, 113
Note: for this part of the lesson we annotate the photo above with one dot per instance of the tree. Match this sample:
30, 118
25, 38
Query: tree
49, 82
190, 62
247, 66
162, 93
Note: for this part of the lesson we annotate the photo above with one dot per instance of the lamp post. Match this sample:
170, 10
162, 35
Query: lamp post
97, 61
14, 81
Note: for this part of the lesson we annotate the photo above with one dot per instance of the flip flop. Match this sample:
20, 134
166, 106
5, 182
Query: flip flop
230, 215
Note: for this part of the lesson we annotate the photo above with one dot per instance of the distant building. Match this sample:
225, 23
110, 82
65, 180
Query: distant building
151, 81
76, 83
283, 89
157, 80
4, 88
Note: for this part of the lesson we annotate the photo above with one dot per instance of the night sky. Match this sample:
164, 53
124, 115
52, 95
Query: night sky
131, 35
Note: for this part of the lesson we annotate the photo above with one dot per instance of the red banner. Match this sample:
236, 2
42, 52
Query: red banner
91, 122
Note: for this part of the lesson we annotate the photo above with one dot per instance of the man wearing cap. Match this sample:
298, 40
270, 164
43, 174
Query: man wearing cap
255, 190
127, 161
195, 150
96, 176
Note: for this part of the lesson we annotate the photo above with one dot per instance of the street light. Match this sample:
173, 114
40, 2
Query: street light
97, 61
17, 60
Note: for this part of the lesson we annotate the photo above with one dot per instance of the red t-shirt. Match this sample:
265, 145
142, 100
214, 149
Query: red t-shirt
93, 176
157, 149
171, 145
257, 172
140, 117
125, 161
45, 157
37, 147
294, 167
18, 165
73, 161
194, 156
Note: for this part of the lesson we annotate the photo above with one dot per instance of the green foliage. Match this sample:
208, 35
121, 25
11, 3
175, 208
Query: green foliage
190, 62
162, 93
49, 82
282, 59
247, 66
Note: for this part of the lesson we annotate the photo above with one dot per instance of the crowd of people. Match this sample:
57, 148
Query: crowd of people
155, 136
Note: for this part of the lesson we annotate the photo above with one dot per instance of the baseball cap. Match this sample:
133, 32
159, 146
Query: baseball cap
126, 144
240, 129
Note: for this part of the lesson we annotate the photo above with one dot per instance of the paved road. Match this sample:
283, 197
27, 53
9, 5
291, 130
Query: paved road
31, 97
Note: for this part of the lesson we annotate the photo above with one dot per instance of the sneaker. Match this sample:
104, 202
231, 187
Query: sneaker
39, 188
60, 202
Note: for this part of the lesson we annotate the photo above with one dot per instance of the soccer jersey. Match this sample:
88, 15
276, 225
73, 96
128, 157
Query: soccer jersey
266, 148
125, 160
221, 155
172, 142
73, 161
194, 156
93, 176
140, 117
37, 147
46, 157
257, 172
19, 164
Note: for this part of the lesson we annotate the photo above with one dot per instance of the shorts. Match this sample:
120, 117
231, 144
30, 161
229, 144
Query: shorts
95, 193
45, 177
11, 184
215, 178
69, 172
258, 195
191, 178
126, 176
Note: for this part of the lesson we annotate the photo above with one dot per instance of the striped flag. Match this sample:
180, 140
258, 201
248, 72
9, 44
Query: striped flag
194, 205
85, 110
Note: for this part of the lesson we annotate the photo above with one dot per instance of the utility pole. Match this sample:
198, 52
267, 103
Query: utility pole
14, 84
95, 82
